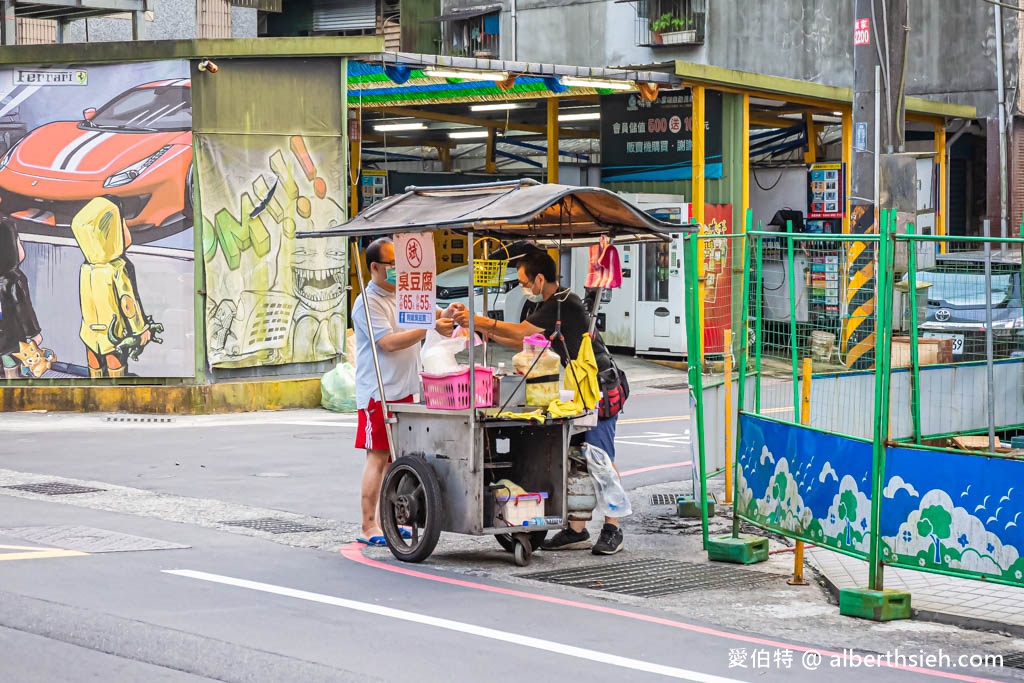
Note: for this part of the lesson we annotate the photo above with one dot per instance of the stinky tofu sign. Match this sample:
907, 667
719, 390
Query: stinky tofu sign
416, 271
643, 140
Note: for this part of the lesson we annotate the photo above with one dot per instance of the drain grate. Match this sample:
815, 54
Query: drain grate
666, 498
274, 525
1014, 660
53, 488
654, 576
88, 539
135, 418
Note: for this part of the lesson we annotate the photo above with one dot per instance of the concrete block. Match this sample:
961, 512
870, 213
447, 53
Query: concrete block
689, 506
745, 549
865, 603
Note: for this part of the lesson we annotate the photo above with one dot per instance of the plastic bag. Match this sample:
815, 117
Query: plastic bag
612, 500
338, 389
438, 353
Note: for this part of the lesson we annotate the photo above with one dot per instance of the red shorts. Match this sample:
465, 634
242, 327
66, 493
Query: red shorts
371, 433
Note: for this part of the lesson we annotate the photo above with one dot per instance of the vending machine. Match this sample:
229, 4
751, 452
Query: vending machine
659, 301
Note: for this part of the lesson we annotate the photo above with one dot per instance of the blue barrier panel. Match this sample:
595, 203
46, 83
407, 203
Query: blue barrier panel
805, 484
954, 512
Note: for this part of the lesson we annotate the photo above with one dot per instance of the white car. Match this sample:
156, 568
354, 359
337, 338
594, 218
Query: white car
505, 302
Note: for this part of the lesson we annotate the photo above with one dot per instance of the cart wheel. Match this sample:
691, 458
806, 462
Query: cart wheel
410, 497
506, 542
522, 550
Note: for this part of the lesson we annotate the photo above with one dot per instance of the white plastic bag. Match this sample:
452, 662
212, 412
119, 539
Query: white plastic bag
338, 389
612, 500
438, 353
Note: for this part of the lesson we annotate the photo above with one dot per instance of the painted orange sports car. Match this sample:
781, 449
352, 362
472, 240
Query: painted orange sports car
136, 148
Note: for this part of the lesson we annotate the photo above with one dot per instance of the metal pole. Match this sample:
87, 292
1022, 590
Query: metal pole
727, 372
915, 356
373, 352
742, 361
472, 357
805, 419
1001, 93
793, 349
989, 368
695, 375
758, 295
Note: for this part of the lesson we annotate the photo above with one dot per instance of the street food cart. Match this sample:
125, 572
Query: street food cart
445, 462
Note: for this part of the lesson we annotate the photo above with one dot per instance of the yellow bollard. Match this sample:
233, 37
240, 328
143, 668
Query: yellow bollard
727, 372
805, 418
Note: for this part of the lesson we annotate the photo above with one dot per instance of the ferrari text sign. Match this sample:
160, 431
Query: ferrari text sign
51, 77
416, 272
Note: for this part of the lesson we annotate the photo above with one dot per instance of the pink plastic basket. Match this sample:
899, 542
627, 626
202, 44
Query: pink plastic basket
451, 391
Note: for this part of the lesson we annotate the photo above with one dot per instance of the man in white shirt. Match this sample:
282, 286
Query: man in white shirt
398, 353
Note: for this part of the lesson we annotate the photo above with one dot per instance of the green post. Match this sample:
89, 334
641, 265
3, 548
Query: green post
915, 359
695, 371
793, 346
758, 292
875, 602
741, 393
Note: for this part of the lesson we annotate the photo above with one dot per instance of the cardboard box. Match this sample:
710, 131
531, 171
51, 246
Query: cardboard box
930, 351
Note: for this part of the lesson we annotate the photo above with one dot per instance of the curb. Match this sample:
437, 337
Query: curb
196, 399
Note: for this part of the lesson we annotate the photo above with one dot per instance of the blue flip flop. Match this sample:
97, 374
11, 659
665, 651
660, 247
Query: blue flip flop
374, 541
406, 534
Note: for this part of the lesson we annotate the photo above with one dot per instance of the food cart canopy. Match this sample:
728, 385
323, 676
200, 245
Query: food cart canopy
550, 214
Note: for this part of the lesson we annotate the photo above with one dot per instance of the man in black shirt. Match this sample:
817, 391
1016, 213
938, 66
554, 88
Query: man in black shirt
539, 280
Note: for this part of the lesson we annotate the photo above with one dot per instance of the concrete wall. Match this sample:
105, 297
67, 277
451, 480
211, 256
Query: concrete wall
171, 20
952, 60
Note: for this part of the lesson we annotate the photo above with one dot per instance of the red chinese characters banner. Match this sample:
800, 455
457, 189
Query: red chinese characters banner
716, 255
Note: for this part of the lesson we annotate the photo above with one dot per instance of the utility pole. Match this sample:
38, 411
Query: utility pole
879, 60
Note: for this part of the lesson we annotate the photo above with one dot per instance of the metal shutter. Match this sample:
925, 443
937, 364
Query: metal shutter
344, 15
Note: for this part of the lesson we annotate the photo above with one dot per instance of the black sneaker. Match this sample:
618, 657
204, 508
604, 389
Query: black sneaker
610, 541
568, 539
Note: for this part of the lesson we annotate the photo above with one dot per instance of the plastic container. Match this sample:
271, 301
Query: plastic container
541, 366
451, 391
521, 509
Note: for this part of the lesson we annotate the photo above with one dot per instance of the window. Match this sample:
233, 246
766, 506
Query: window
670, 22
477, 36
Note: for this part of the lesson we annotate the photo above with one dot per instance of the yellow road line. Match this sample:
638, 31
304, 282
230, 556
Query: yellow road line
34, 553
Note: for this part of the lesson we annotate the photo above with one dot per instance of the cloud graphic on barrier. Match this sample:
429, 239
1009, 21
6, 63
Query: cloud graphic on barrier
897, 483
826, 472
766, 455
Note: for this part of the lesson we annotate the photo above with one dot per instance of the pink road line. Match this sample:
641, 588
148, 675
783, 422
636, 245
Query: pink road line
652, 468
354, 552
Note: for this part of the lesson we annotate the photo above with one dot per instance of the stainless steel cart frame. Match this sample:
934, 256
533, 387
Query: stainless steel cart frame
442, 460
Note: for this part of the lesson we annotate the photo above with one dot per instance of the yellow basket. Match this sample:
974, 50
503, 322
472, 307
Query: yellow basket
489, 272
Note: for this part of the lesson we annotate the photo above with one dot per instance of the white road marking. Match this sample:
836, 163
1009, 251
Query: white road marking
656, 439
459, 627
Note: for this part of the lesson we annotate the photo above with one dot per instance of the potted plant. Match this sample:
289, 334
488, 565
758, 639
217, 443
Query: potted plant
665, 23
679, 31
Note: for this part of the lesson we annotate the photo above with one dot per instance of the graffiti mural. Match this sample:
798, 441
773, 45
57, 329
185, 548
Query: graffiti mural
805, 484
955, 512
270, 298
96, 214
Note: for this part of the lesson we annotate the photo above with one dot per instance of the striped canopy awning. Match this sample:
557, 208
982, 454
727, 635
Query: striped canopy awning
377, 85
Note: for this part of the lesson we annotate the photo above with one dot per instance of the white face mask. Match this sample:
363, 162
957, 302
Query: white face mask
530, 296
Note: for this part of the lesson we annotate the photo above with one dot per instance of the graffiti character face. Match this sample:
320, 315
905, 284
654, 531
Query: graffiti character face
318, 273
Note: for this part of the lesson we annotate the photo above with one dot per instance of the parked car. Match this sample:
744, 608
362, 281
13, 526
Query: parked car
505, 302
137, 147
956, 303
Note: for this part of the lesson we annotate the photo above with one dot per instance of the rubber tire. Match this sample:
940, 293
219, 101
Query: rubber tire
429, 518
522, 550
506, 542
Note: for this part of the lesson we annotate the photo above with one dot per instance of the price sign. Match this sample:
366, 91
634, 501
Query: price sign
416, 274
862, 32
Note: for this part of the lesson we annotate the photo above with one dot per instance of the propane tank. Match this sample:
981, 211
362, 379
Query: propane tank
581, 496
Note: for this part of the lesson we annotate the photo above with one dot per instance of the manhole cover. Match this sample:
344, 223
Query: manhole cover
1014, 660
274, 525
666, 498
53, 488
88, 539
650, 577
